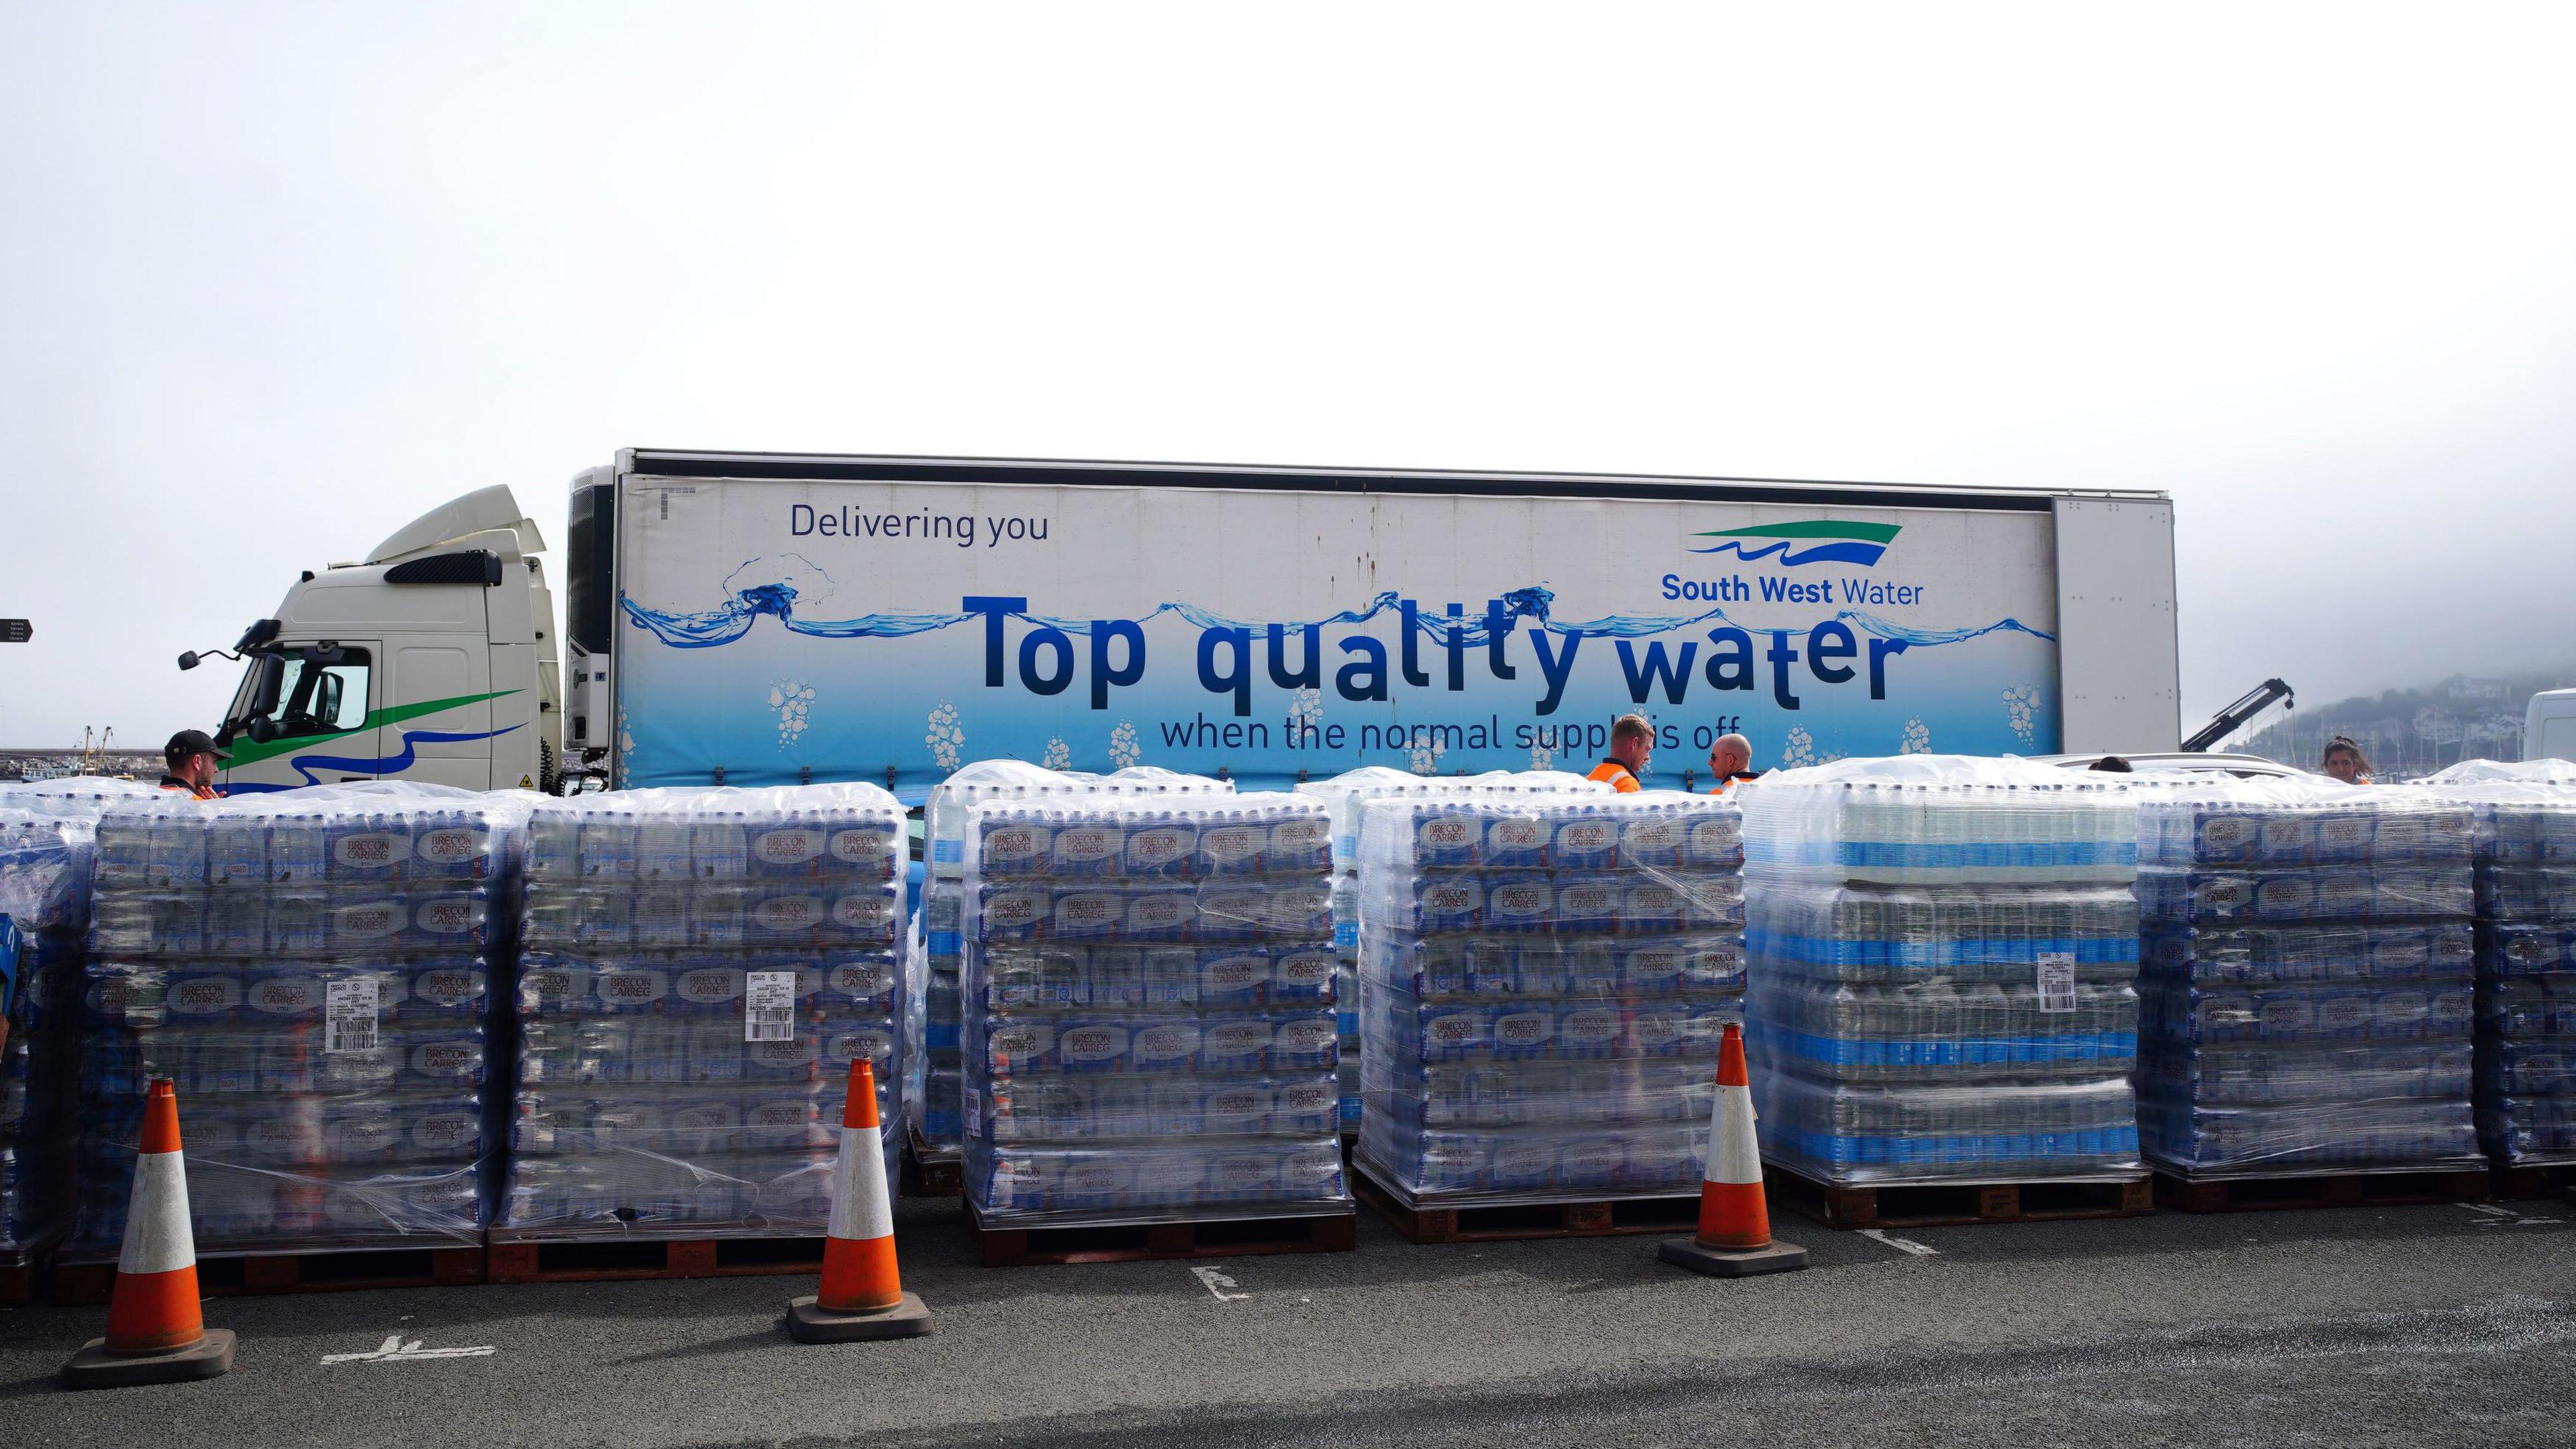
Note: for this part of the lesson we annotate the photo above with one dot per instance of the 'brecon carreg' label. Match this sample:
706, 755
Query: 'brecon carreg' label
1086, 849
1235, 847
1161, 849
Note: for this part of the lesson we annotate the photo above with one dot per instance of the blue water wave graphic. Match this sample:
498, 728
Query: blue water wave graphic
305, 765
777, 599
1850, 551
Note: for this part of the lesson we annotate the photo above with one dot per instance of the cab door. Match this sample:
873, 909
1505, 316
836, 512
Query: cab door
444, 683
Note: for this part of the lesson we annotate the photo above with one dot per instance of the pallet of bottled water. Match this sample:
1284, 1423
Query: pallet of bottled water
1345, 795
2307, 980
1349, 794
1544, 982
2525, 848
47, 839
699, 970
1149, 998
1944, 820
935, 1100
947, 816
314, 970
1943, 957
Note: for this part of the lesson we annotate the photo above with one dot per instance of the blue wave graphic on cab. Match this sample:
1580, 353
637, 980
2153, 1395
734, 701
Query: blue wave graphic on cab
1850, 543
732, 619
378, 765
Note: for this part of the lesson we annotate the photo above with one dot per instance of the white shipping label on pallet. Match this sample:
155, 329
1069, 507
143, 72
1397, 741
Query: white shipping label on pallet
2056, 981
349, 1015
769, 1006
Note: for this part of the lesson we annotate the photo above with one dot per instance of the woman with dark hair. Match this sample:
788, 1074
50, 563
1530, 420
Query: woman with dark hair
2345, 761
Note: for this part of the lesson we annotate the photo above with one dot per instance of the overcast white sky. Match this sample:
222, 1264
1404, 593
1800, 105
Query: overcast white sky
274, 280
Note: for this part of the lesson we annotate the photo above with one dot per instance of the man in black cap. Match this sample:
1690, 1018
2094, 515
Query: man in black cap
192, 756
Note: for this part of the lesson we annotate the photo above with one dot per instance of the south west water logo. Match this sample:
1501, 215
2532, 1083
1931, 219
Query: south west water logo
1816, 540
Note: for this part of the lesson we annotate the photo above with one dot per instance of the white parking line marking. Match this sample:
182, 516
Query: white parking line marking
395, 1350
2491, 1216
1902, 1245
1216, 1283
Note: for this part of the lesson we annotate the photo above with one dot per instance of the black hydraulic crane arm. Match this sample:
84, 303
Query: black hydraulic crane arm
2234, 717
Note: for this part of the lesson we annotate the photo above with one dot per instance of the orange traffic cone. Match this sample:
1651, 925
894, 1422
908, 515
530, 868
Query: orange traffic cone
862, 1295
1734, 1224
156, 1334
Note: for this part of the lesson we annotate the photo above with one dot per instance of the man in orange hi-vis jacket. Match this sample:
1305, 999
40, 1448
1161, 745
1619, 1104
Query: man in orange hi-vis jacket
1632, 744
192, 756
1729, 759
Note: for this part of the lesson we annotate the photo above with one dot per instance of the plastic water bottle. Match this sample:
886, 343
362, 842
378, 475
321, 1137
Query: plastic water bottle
236, 922
789, 847
367, 849
662, 847
451, 845
298, 850
176, 849
236, 850
607, 849
719, 846
554, 844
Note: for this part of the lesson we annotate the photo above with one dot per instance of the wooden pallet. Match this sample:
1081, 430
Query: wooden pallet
2331, 1189
930, 1171
18, 1274
224, 1275
2522, 1184
1593, 1218
552, 1258
1007, 1247
1930, 1205
22, 1268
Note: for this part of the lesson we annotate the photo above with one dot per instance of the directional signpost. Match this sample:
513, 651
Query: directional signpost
16, 631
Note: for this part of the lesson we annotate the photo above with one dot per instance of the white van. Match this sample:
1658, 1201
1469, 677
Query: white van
2549, 728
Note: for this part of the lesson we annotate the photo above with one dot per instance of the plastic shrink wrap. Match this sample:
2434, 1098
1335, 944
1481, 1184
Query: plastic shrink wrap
2307, 979
1544, 980
1943, 960
2524, 842
700, 969
1149, 1004
935, 956
315, 971
1345, 795
48, 831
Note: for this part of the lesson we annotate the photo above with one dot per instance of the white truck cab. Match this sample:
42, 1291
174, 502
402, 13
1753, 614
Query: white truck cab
433, 660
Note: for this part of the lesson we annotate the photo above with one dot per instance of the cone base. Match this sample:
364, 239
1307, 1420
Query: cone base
809, 1323
1777, 1257
95, 1368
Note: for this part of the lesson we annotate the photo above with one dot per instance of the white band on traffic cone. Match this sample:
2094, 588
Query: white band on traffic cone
859, 1206
157, 1236
1734, 1156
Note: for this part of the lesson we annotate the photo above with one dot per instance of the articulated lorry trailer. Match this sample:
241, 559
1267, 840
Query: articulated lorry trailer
752, 619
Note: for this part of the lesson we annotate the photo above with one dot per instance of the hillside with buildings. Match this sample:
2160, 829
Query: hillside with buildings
2410, 732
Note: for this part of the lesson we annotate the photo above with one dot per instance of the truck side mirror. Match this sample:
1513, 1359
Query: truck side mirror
262, 728
188, 660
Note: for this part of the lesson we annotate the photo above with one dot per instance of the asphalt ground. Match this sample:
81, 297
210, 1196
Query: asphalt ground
2362, 1326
